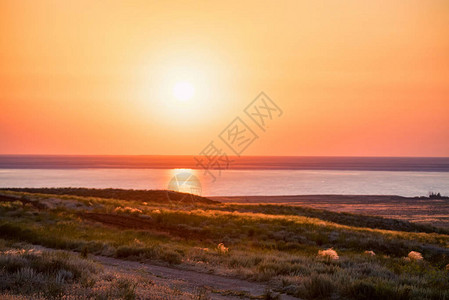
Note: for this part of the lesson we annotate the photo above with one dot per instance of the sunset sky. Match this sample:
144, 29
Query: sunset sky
356, 78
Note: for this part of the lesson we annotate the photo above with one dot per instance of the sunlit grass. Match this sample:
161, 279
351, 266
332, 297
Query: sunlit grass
278, 247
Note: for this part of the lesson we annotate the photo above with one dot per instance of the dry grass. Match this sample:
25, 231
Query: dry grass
329, 254
28, 274
272, 244
415, 256
370, 253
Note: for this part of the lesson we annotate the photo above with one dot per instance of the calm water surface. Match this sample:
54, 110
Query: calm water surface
239, 182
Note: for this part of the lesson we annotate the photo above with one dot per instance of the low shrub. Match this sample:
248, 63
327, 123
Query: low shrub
415, 256
170, 256
317, 286
329, 254
43, 273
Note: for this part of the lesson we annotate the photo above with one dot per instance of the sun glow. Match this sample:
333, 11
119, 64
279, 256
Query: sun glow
186, 89
183, 91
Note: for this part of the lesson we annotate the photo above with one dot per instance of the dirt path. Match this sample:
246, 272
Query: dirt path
220, 287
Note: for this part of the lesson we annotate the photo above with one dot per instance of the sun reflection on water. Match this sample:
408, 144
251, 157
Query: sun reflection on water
184, 181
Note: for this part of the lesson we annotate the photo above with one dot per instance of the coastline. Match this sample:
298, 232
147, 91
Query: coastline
414, 209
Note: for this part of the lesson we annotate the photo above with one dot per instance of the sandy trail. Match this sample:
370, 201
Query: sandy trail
219, 287
189, 280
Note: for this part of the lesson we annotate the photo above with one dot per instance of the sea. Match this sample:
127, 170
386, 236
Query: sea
238, 176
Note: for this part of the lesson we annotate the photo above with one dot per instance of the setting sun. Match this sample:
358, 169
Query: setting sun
183, 91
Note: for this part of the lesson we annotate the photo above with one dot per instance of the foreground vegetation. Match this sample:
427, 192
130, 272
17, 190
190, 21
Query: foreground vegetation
31, 274
282, 246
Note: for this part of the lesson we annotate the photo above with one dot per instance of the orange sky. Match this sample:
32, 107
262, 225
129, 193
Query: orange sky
365, 78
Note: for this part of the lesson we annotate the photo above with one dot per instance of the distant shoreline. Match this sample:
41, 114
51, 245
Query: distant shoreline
350, 198
414, 209
418, 164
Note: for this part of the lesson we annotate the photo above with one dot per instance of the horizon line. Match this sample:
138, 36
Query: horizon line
241, 156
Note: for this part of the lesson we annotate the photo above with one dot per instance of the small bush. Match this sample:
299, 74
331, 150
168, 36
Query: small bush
126, 289
362, 290
128, 210
222, 249
330, 254
318, 286
172, 257
135, 252
415, 256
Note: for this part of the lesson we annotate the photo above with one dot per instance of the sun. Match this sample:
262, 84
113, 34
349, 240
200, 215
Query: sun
183, 91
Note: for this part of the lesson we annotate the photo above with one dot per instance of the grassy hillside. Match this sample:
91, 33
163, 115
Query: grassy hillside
158, 196
278, 245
